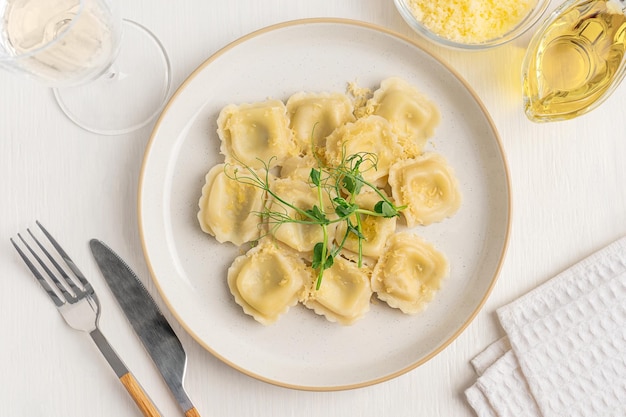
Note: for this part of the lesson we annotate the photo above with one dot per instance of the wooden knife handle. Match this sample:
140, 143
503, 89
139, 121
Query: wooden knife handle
139, 396
192, 413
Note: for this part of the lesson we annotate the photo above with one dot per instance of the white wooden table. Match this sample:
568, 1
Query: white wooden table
569, 199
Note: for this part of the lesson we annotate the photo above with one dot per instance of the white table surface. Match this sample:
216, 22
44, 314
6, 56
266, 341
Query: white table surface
569, 199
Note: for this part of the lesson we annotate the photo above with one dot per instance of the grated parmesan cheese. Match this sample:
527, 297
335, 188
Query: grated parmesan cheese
470, 21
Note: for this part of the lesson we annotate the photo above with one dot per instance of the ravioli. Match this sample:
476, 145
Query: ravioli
300, 194
229, 209
344, 295
298, 167
257, 133
412, 115
313, 116
371, 135
375, 229
409, 273
427, 186
267, 281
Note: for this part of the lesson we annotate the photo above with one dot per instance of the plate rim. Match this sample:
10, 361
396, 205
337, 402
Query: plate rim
301, 22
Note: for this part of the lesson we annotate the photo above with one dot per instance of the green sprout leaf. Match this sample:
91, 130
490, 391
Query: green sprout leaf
386, 209
355, 231
315, 177
322, 258
352, 183
317, 214
343, 208
318, 255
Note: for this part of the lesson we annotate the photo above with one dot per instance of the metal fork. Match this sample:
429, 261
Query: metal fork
77, 302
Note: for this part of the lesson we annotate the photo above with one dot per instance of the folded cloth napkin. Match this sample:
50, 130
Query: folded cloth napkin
564, 353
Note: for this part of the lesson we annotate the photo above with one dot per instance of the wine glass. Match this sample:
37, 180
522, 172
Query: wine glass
109, 75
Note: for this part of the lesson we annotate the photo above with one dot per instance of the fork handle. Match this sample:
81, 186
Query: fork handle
139, 396
127, 379
192, 413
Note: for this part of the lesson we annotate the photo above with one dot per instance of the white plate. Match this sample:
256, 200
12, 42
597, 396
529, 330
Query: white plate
303, 350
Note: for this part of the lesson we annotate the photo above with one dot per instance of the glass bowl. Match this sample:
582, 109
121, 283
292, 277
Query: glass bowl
455, 27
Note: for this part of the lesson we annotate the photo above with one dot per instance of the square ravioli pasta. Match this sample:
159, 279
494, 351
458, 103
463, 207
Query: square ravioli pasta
256, 134
412, 115
428, 186
375, 230
268, 280
302, 235
345, 295
229, 208
368, 135
409, 273
313, 116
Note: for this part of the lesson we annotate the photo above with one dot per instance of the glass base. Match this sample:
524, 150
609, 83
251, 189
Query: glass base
130, 94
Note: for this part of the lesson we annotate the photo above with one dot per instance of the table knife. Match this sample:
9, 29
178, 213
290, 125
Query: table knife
151, 326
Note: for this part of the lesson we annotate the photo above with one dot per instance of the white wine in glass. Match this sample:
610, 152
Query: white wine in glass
109, 75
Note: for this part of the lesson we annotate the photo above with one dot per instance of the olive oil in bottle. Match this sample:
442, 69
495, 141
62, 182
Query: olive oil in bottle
575, 60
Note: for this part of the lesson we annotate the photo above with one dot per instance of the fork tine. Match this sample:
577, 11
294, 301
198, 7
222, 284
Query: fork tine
86, 285
61, 286
66, 278
53, 295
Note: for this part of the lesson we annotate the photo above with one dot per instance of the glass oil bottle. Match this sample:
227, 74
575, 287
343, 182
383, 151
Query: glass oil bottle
575, 60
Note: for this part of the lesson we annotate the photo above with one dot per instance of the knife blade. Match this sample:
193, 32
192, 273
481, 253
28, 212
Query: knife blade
155, 333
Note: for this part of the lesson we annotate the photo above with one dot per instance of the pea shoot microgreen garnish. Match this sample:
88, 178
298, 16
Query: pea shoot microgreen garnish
337, 188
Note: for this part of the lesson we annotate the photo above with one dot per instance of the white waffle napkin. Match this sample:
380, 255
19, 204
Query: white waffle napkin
565, 349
